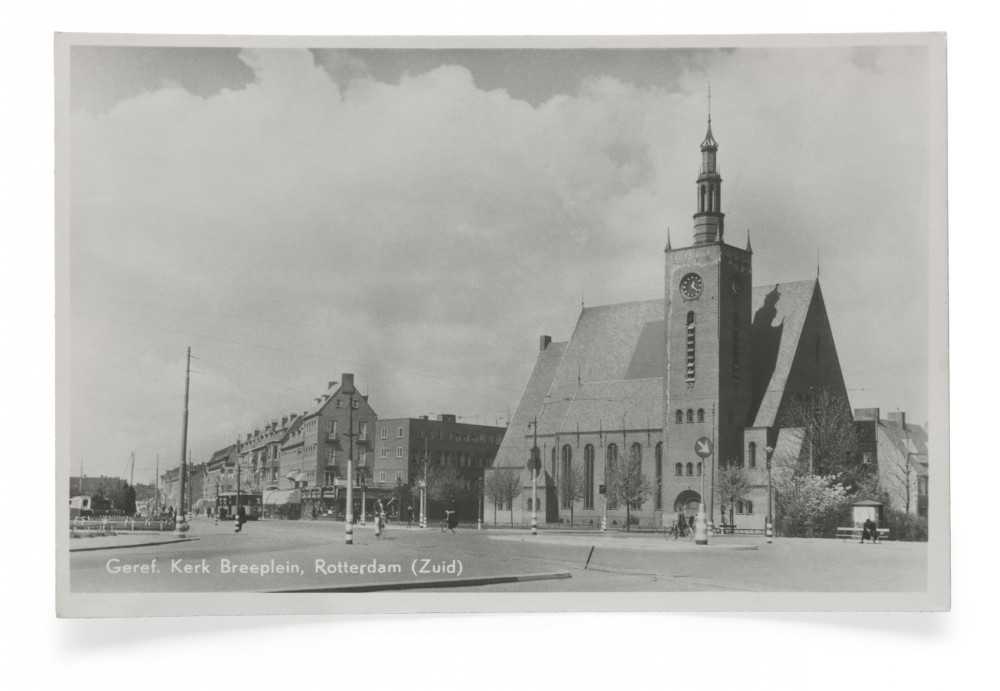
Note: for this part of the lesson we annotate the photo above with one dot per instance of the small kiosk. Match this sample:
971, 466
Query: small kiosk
863, 510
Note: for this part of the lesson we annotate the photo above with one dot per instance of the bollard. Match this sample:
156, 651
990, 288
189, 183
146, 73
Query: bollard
768, 531
701, 526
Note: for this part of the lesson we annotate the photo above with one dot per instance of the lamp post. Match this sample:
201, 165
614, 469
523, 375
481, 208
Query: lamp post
534, 465
479, 496
349, 501
423, 490
769, 527
364, 485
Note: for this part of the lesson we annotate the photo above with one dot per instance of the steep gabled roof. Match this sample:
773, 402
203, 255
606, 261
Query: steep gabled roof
609, 371
792, 347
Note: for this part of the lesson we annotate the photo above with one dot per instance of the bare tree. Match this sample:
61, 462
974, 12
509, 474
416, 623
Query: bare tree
503, 486
830, 444
627, 483
571, 488
734, 485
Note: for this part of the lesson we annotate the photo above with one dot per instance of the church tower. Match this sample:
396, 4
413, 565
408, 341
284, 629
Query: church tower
707, 379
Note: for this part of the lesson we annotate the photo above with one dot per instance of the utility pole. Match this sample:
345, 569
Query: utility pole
181, 526
156, 486
190, 486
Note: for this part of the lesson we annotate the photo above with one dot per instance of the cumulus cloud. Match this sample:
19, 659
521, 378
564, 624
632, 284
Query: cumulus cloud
423, 233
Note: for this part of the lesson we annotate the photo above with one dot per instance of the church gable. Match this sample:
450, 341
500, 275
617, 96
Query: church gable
779, 315
793, 348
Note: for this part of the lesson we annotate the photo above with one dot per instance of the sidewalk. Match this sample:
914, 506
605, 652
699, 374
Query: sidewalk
120, 540
648, 542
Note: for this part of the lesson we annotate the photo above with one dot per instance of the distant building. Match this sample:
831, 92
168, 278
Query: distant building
314, 454
403, 445
899, 450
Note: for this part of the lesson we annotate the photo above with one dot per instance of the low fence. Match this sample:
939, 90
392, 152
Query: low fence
91, 527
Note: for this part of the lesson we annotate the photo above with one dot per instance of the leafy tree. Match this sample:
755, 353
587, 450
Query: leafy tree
807, 504
444, 483
830, 445
571, 488
733, 485
503, 486
627, 483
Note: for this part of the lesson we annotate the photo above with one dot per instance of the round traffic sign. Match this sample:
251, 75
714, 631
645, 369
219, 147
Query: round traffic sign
703, 447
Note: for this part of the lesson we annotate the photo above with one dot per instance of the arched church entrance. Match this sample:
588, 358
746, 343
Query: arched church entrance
688, 502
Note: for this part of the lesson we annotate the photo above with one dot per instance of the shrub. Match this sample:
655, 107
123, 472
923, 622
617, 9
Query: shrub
904, 526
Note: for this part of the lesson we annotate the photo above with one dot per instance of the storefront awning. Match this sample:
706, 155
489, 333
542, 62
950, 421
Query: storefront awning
280, 497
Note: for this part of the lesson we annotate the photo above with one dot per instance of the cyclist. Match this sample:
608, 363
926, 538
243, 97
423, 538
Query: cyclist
451, 519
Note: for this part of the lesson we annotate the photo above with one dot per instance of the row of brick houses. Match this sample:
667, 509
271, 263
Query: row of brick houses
299, 462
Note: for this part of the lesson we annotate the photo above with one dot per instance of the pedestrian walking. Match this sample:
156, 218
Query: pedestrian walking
241, 518
379, 518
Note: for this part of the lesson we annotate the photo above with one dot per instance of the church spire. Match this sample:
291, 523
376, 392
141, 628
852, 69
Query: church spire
708, 221
749, 248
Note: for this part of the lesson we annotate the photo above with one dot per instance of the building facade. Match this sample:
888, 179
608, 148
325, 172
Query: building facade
898, 449
407, 448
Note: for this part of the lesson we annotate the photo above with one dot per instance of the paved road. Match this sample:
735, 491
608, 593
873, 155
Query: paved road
305, 555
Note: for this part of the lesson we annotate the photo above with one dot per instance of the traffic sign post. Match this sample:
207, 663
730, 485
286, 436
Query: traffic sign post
703, 447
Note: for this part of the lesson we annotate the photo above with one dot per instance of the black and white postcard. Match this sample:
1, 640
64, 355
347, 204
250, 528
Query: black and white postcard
360, 325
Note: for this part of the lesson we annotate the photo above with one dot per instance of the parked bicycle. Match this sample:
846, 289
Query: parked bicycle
677, 530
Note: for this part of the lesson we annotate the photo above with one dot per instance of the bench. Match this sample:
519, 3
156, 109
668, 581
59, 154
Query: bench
855, 533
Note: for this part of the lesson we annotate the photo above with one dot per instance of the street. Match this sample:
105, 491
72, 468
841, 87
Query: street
275, 556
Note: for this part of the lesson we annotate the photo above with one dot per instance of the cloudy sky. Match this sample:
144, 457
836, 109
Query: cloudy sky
420, 217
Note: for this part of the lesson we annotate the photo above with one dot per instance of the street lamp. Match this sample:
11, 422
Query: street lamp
479, 496
769, 526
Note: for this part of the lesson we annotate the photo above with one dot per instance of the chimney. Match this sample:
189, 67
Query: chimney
248, 436
899, 418
866, 414
544, 342
348, 380
423, 417
331, 384
284, 419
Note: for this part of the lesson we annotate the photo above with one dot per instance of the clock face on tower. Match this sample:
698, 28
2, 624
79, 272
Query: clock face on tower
691, 286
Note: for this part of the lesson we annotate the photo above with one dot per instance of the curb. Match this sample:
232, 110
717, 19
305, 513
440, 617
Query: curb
417, 585
137, 544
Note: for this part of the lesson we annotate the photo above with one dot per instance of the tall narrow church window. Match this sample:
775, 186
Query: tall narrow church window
552, 463
658, 499
564, 479
588, 477
752, 462
690, 415
611, 460
701, 198
690, 347
690, 469
678, 469
698, 469
736, 349
711, 198
635, 457
701, 414
679, 416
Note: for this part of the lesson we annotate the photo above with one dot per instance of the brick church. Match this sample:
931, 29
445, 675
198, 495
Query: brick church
716, 357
